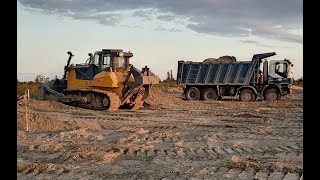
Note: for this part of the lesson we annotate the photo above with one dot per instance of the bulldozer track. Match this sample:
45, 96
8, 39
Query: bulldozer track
114, 100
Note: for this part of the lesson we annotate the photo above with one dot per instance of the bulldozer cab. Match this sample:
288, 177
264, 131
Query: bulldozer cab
110, 60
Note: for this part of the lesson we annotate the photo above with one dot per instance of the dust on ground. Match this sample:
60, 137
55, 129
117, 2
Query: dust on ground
170, 138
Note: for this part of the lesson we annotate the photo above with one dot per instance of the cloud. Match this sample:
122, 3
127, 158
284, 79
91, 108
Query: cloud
250, 41
143, 14
261, 45
255, 42
267, 30
167, 29
269, 19
166, 17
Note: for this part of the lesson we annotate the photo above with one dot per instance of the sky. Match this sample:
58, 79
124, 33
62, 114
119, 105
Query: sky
158, 33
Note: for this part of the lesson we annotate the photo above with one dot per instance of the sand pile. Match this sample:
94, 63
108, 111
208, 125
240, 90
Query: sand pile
222, 59
43, 122
46, 122
160, 98
297, 93
36, 104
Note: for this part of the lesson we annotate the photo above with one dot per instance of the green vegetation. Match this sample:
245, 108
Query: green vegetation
31, 85
167, 83
298, 82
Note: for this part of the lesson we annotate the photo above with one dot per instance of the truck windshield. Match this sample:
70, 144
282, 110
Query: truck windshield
281, 69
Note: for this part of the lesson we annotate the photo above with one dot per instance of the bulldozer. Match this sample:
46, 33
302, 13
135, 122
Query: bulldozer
106, 81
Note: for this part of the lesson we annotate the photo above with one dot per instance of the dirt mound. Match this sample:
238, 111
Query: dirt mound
47, 105
174, 89
46, 122
20, 135
222, 59
43, 122
160, 98
290, 162
297, 88
40, 167
297, 93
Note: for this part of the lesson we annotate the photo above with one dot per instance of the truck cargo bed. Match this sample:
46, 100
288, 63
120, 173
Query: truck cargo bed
197, 73
232, 73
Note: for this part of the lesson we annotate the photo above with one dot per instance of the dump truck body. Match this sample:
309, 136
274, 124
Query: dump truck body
210, 81
237, 73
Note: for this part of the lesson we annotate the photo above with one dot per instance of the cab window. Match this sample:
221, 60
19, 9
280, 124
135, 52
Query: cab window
281, 68
95, 60
106, 62
120, 62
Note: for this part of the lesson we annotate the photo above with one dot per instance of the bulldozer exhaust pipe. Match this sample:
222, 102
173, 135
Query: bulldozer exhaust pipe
68, 63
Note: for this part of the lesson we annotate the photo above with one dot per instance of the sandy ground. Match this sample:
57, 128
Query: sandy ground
170, 138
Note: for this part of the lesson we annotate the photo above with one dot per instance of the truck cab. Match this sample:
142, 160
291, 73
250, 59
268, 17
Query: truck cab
278, 73
280, 69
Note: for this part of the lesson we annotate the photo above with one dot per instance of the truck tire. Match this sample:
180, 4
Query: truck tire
209, 94
247, 95
272, 95
193, 93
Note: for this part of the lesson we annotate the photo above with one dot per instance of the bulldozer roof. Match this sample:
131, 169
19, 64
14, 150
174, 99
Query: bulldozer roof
127, 54
112, 50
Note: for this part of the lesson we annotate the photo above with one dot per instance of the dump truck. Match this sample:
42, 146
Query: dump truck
247, 80
106, 81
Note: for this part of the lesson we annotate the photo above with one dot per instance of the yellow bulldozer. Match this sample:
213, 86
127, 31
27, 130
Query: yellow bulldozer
106, 81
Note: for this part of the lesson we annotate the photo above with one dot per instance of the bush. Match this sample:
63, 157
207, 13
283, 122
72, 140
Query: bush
32, 86
166, 84
298, 82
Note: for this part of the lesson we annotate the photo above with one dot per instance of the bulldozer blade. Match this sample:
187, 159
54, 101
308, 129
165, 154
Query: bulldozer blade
138, 103
146, 92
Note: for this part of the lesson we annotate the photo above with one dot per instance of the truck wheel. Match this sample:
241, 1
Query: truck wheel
209, 94
193, 93
272, 94
247, 95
